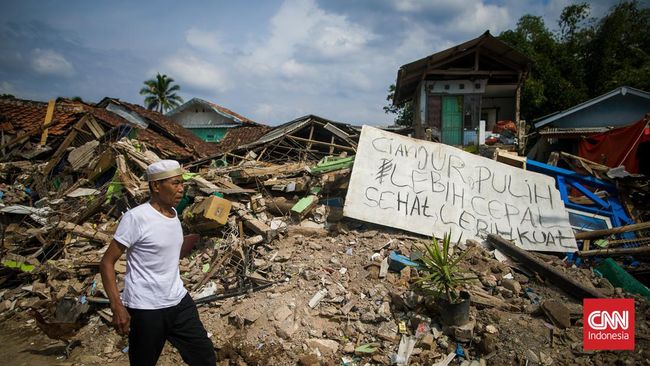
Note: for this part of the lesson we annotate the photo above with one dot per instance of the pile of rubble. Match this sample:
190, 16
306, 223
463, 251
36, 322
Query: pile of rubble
280, 275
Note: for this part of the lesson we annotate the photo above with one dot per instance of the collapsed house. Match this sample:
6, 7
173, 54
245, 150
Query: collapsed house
313, 236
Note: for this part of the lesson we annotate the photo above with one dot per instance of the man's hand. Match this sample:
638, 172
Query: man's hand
121, 319
189, 241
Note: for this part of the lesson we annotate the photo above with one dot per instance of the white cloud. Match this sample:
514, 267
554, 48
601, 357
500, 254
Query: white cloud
188, 69
301, 30
203, 40
340, 38
7, 88
49, 62
293, 69
481, 17
412, 6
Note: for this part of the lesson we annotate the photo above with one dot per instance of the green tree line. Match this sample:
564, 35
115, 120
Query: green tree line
585, 57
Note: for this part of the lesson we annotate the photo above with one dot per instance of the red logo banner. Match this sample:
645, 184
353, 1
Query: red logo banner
608, 324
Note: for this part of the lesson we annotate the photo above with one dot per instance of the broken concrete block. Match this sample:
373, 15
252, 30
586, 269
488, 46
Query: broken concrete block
532, 357
383, 269
427, 342
512, 285
324, 346
462, 333
282, 313
316, 299
559, 314
488, 344
286, 329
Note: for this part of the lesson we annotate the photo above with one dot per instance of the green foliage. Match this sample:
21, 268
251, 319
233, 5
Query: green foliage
442, 273
403, 112
618, 54
160, 94
586, 58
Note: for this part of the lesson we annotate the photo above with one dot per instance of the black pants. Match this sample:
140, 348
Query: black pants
179, 324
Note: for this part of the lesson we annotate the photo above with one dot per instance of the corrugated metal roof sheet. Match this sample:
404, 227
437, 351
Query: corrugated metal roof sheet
573, 131
294, 125
623, 90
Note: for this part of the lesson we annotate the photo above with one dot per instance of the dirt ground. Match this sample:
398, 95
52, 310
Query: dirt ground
276, 326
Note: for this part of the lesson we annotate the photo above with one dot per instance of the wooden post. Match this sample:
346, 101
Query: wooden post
48, 118
616, 230
615, 252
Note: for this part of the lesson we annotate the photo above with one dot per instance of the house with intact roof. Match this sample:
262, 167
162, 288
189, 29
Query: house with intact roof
452, 90
209, 121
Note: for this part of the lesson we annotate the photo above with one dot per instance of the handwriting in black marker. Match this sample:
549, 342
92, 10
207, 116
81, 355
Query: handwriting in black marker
384, 169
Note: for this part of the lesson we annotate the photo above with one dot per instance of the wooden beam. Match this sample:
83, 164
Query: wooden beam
56, 157
321, 143
448, 59
83, 231
619, 242
615, 252
311, 136
48, 119
616, 230
557, 277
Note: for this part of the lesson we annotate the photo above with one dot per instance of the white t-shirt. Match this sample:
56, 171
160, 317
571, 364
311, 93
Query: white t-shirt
153, 242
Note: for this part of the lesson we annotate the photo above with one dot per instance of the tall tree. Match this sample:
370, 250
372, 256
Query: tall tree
542, 90
160, 93
619, 52
403, 112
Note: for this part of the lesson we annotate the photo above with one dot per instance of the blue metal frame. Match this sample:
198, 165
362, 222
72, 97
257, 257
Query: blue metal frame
610, 206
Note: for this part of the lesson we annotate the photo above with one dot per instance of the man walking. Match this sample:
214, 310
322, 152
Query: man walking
155, 306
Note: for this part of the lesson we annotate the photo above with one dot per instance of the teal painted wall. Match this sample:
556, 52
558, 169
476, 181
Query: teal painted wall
210, 134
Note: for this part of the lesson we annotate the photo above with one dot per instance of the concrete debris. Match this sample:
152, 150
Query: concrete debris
280, 275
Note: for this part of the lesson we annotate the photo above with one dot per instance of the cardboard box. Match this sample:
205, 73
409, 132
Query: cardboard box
213, 211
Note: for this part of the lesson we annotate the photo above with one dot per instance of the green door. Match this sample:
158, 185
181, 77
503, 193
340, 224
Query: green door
452, 120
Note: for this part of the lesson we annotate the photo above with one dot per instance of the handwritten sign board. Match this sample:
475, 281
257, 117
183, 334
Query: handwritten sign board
431, 188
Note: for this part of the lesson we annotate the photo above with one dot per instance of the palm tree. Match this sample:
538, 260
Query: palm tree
160, 93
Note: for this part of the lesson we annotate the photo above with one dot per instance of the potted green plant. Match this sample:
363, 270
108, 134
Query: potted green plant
442, 277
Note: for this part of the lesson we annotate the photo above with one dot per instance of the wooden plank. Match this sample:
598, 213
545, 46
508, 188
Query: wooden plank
48, 119
95, 128
616, 243
617, 230
56, 157
615, 252
217, 263
274, 170
340, 133
559, 279
315, 142
83, 231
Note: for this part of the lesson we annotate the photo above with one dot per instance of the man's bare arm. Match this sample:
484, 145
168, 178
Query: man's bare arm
188, 244
121, 318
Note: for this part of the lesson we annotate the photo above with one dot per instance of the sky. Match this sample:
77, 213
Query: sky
271, 61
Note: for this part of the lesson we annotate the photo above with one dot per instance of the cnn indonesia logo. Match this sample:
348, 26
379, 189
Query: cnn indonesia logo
608, 324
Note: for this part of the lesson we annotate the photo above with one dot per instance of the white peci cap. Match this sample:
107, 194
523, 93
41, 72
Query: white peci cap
163, 169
